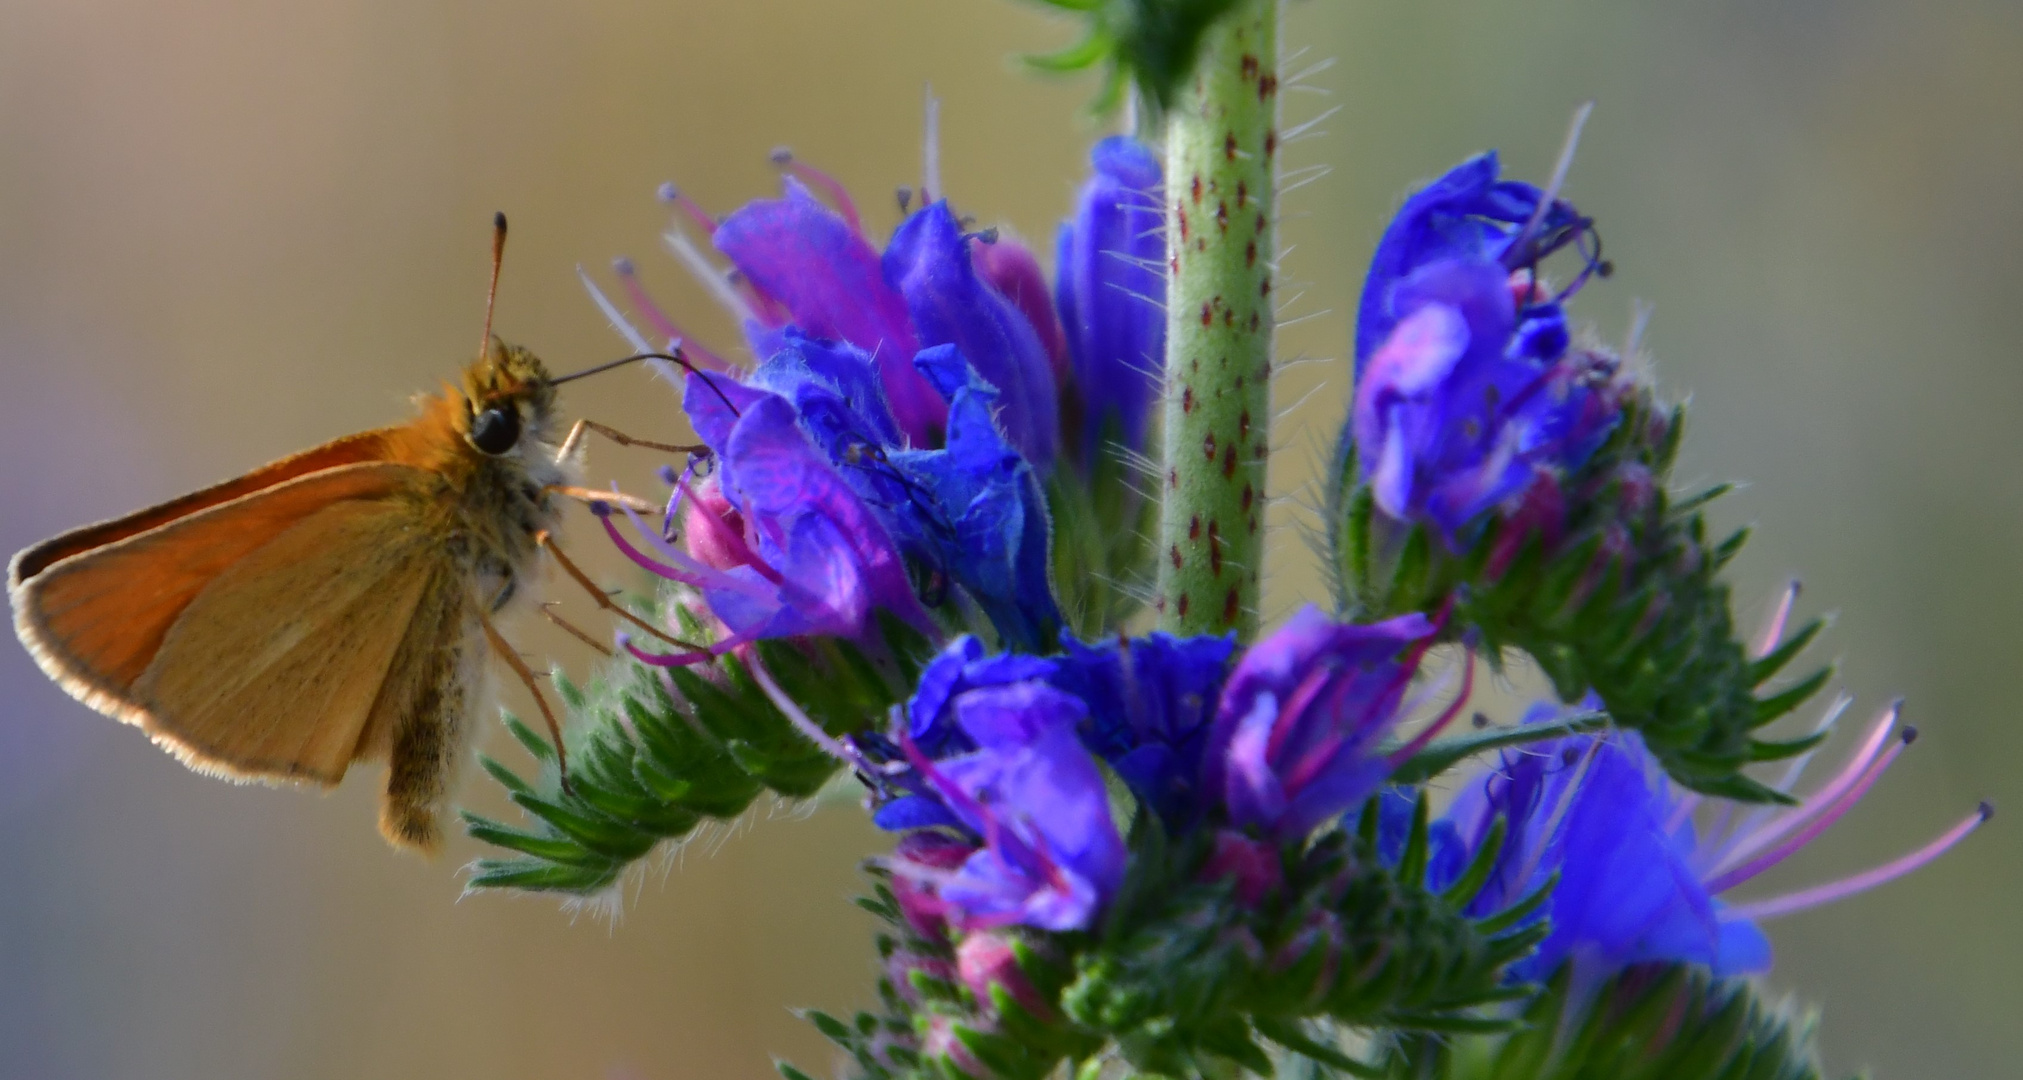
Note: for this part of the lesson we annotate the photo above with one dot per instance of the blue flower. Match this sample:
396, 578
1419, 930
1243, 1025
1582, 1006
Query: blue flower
928, 261
1051, 854
818, 270
960, 668
1467, 390
1111, 293
980, 505
1150, 700
971, 512
1294, 740
1638, 879
792, 550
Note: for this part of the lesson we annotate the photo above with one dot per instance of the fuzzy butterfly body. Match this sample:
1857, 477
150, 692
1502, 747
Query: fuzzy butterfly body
327, 608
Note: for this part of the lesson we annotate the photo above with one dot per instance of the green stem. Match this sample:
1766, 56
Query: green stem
1221, 173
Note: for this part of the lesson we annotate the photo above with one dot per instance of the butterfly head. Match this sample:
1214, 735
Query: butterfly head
508, 395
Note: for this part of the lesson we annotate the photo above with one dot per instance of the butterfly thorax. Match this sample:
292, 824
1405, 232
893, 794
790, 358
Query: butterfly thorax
493, 443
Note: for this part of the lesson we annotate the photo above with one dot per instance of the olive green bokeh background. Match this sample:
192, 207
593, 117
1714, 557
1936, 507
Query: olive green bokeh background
231, 229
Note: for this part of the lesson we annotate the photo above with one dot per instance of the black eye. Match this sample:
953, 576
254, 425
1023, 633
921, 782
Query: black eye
495, 430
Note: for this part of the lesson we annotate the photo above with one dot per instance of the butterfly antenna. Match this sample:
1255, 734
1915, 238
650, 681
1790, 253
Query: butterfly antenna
492, 292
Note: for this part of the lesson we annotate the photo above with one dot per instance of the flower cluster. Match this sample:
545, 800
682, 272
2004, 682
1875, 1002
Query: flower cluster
1267, 743
1166, 846
1633, 875
907, 406
1469, 390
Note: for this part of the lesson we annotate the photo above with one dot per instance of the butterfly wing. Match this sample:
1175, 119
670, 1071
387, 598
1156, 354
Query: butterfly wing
254, 636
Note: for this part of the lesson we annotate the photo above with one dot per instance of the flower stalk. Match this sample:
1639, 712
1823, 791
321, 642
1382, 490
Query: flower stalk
1221, 228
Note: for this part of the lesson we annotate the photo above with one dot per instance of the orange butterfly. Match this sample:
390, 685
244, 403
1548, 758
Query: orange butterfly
327, 608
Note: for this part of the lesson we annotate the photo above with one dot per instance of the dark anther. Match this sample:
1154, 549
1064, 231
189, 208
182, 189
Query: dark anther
986, 236
905, 196
780, 156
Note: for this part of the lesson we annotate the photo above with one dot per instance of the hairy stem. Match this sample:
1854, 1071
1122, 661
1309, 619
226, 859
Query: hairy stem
1221, 171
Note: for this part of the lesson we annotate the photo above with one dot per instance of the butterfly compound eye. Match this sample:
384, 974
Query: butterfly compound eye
495, 430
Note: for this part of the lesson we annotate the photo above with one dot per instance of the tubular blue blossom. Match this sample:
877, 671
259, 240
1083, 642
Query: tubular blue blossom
809, 259
1638, 880
928, 261
1052, 856
1466, 389
1150, 700
970, 512
1111, 292
979, 505
1295, 735
812, 557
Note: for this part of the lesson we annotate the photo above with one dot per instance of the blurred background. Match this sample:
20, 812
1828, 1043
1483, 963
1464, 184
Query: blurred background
231, 229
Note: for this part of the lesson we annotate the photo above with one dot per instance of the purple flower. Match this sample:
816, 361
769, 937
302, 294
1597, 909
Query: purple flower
829, 281
928, 261
971, 512
1112, 293
1466, 389
1639, 880
1009, 267
960, 668
1294, 741
812, 558
978, 505
1051, 855
1150, 700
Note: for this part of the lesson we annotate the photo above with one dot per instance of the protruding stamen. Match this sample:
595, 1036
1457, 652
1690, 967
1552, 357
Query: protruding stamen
1849, 775
1519, 242
1773, 628
683, 659
611, 314
839, 196
675, 197
905, 196
1439, 724
930, 151
628, 275
1828, 814
807, 727
706, 273
1862, 882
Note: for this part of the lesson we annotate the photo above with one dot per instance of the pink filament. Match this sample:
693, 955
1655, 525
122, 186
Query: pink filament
1828, 814
1850, 774
644, 303
1419, 741
1862, 882
1773, 630
829, 186
666, 659
674, 195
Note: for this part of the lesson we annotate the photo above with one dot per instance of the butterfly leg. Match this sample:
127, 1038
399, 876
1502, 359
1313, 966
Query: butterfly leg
592, 495
577, 632
584, 427
603, 600
526, 674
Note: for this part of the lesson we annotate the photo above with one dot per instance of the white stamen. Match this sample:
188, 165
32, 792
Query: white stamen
1559, 172
617, 318
708, 275
930, 151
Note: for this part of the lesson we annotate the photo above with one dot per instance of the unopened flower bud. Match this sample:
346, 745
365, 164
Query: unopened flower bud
1252, 864
988, 959
916, 862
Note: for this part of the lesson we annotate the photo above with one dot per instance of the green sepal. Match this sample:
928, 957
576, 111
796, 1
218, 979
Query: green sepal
1446, 753
647, 765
